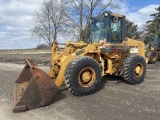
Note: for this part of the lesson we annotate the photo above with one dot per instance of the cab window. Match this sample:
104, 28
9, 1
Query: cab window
116, 31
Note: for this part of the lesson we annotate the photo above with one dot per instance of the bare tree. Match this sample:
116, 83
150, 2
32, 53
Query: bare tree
84, 10
56, 17
51, 20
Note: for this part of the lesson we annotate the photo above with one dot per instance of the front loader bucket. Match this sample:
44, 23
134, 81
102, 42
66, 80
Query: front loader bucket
33, 89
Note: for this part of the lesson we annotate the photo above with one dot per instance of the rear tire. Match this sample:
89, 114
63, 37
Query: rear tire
153, 57
134, 69
83, 76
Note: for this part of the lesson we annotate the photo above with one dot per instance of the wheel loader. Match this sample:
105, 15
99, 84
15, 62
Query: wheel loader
82, 65
152, 48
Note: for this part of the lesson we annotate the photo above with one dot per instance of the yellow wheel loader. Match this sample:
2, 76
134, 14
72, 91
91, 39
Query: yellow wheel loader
82, 64
152, 48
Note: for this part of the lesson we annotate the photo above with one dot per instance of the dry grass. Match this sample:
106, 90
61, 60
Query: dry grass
18, 56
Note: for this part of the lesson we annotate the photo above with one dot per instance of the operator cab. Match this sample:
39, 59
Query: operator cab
149, 39
108, 27
153, 40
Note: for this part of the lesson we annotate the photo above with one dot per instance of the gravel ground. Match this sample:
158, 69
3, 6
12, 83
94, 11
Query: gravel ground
114, 99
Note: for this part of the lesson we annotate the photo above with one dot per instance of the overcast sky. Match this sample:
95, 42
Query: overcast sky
16, 19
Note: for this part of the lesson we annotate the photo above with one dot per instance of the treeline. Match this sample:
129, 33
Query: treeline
43, 46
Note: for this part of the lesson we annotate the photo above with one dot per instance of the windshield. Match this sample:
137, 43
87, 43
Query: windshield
98, 29
116, 29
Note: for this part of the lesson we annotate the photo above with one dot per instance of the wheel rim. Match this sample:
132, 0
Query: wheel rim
154, 57
138, 70
86, 77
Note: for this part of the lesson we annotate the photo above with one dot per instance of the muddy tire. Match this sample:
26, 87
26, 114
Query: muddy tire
153, 57
83, 76
134, 69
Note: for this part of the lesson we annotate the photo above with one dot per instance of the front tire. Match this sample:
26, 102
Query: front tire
152, 57
83, 75
134, 69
